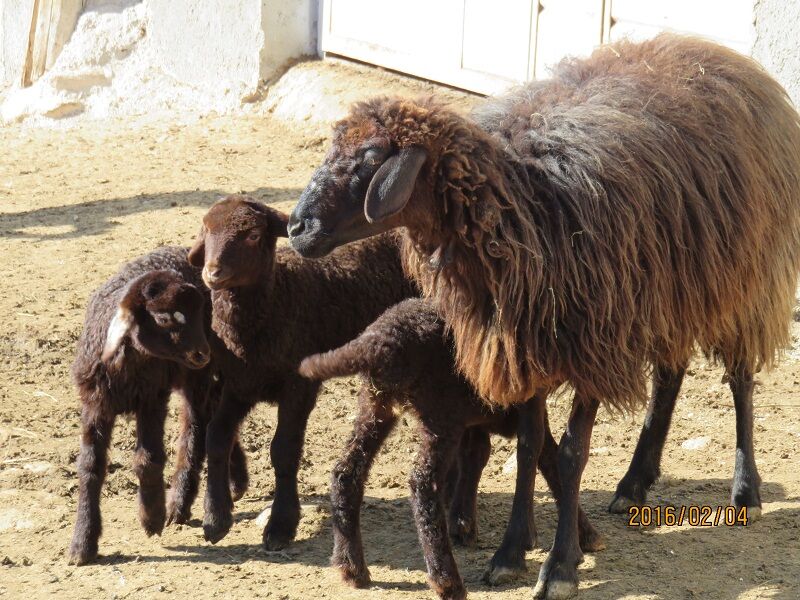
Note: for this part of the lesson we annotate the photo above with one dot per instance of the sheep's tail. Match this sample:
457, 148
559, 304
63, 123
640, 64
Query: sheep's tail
356, 356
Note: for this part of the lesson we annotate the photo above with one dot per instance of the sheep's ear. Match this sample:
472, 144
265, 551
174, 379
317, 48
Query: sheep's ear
197, 255
120, 326
392, 186
278, 224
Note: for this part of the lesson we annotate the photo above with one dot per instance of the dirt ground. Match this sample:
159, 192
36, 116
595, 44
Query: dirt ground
75, 204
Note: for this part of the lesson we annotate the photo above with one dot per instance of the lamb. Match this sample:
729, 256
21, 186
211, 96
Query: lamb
270, 309
586, 229
144, 335
405, 359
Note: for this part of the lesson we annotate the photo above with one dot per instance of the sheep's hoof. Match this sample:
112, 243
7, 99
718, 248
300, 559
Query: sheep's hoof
558, 577
177, 515
499, 575
620, 504
449, 590
82, 554
153, 523
355, 577
238, 489
214, 529
555, 590
276, 540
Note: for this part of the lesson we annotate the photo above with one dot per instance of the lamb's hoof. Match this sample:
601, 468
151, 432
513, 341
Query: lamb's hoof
238, 490
555, 590
463, 533
450, 590
355, 577
214, 529
276, 540
153, 523
591, 540
499, 575
621, 504
82, 554
176, 516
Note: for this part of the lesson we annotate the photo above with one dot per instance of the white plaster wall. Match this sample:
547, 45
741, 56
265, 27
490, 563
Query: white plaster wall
777, 45
230, 44
15, 22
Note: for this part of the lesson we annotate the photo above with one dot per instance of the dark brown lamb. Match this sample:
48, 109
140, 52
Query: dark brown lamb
587, 230
270, 309
144, 336
406, 361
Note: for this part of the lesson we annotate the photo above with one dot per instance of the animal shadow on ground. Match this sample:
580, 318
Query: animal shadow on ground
100, 216
707, 562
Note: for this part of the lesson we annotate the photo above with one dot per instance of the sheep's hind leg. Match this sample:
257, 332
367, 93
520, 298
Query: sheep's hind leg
746, 481
373, 424
558, 576
645, 465
148, 464
436, 454
92, 463
509, 560
474, 452
239, 479
296, 403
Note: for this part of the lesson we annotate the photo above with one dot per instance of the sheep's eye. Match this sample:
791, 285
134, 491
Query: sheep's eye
253, 236
162, 319
374, 156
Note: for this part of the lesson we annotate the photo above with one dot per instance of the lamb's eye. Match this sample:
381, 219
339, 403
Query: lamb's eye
253, 236
162, 319
373, 156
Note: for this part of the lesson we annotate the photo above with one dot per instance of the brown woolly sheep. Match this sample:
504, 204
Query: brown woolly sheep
406, 361
144, 336
270, 309
585, 229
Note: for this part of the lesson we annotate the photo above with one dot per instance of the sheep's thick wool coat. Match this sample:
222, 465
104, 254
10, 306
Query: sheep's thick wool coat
641, 202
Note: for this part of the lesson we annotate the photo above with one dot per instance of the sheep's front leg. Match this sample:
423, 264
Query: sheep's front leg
474, 452
373, 424
509, 560
645, 465
746, 480
295, 405
436, 454
148, 464
220, 437
191, 451
558, 576
92, 463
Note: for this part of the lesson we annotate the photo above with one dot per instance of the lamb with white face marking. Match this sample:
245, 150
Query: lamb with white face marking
145, 335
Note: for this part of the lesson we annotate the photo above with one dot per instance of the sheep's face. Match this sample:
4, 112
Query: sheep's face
161, 316
236, 245
360, 190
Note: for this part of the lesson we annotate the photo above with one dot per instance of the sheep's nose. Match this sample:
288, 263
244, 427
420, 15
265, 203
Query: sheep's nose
296, 226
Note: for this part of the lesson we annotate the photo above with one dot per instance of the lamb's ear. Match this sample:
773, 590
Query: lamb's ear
392, 186
278, 224
197, 255
120, 326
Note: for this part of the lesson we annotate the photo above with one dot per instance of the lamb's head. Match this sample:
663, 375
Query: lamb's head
236, 245
376, 176
160, 315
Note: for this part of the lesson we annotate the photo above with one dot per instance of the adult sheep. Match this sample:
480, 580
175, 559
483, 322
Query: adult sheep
586, 229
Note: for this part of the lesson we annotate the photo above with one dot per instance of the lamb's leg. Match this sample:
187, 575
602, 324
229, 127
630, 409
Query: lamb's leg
474, 452
509, 560
92, 463
220, 437
645, 465
436, 454
295, 405
191, 451
558, 576
746, 481
590, 538
373, 424
239, 480
148, 464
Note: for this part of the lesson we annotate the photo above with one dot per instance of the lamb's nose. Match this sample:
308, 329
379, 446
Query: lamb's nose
296, 226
